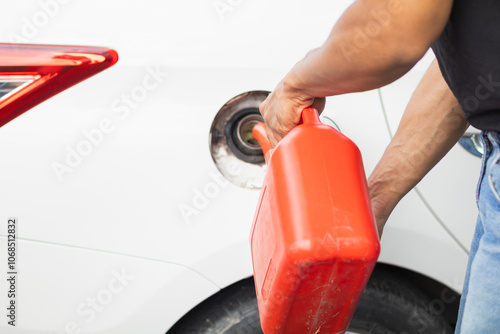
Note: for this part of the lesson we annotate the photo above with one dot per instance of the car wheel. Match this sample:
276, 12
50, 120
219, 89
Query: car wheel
389, 305
231, 311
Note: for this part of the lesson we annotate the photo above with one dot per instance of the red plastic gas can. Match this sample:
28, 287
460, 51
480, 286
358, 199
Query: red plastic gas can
314, 241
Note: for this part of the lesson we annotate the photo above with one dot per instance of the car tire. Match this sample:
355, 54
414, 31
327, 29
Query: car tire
231, 311
389, 305
392, 305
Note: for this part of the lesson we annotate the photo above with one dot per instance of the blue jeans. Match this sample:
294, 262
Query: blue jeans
480, 303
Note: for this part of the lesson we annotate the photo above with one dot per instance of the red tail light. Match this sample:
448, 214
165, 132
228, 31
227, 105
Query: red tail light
30, 74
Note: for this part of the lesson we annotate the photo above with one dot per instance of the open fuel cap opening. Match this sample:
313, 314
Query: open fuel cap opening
238, 132
236, 153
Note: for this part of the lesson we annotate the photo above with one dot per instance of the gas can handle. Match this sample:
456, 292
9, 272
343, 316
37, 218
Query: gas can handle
308, 116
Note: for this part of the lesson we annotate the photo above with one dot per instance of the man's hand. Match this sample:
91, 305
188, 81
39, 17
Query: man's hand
282, 109
374, 43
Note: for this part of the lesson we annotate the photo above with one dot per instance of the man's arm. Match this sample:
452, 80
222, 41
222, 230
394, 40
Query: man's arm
374, 43
432, 123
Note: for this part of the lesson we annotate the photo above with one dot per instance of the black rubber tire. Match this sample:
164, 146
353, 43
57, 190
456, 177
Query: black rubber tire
389, 305
231, 311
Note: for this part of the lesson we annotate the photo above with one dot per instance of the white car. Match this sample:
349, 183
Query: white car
133, 192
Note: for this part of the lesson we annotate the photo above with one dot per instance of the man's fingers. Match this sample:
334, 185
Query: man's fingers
281, 113
271, 137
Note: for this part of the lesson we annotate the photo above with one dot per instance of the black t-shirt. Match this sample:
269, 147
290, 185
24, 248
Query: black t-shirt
468, 53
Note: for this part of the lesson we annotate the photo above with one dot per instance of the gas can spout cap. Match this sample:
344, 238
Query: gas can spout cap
310, 116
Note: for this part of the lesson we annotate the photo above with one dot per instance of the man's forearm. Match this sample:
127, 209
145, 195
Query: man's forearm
374, 43
432, 123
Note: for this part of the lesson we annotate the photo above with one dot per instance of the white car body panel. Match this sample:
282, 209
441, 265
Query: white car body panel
66, 289
123, 205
